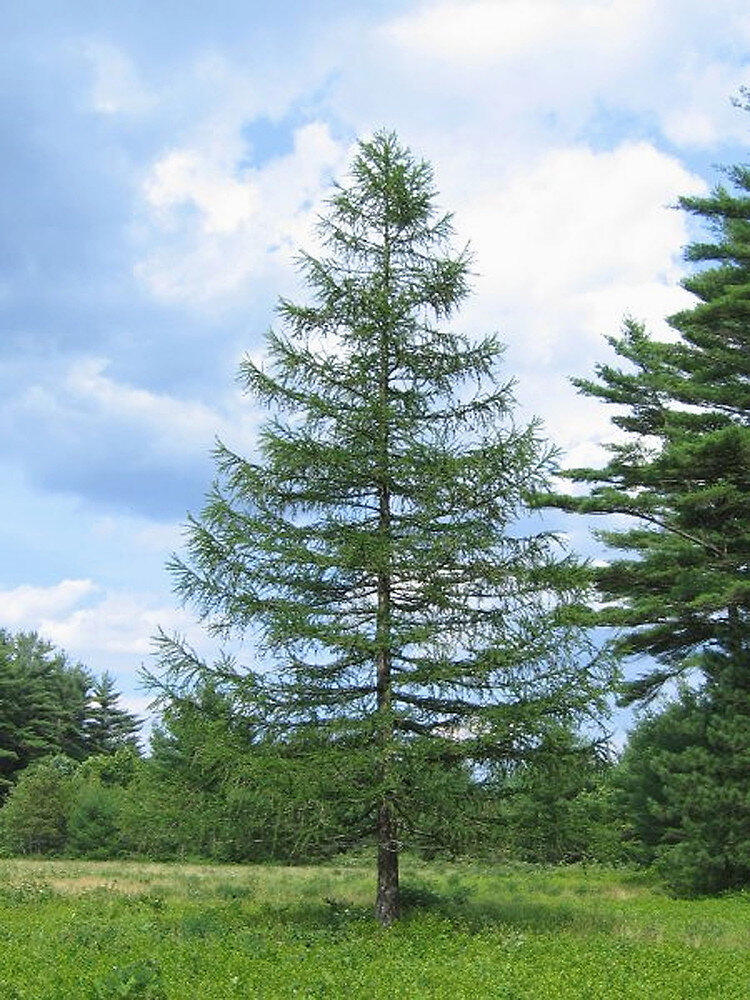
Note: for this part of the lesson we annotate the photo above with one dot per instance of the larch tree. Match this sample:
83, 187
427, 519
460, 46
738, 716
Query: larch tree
380, 550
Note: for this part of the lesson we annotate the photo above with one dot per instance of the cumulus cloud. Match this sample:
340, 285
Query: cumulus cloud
216, 226
557, 66
91, 434
488, 29
186, 178
118, 623
104, 628
27, 605
166, 424
576, 240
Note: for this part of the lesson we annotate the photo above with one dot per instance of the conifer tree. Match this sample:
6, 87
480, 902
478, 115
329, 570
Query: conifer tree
681, 592
679, 589
42, 703
108, 727
683, 789
50, 706
376, 549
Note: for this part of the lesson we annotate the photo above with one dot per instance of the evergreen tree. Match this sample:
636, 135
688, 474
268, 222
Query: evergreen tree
683, 791
682, 469
680, 591
377, 550
683, 589
49, 706
42, 704
641, 778
107, 726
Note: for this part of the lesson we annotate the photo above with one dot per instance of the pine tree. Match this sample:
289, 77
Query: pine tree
682, 469
107, 726
42, 703
377, 551
50, 706
682, 787
680, 590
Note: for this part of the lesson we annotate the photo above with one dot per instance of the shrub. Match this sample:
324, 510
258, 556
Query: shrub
34, 819
93, 828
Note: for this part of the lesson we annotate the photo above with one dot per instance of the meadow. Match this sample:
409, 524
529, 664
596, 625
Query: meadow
84, 930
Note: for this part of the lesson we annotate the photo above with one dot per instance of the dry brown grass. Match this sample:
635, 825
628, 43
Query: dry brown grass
275, 883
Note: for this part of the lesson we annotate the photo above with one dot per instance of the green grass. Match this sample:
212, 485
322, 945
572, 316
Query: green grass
105, 930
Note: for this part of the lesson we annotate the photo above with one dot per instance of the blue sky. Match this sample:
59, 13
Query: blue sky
162, 162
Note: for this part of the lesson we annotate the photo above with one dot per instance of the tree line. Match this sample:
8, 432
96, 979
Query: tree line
435, 659
49, 706
212, 787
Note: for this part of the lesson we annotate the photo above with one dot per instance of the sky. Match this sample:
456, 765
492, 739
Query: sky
162, 163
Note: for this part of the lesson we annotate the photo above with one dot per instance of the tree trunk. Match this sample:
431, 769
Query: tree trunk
387, 905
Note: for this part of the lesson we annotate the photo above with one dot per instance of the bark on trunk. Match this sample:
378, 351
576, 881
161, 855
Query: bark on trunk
387, 906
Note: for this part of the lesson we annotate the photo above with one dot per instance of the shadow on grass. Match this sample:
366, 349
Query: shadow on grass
456, 907
459, 906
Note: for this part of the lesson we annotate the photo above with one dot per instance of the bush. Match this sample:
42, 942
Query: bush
138, 981
34, 819
93, 826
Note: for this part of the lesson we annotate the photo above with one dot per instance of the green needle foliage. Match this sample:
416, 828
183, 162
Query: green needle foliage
683, 792
680, 590
108, 727
682, 468
42, 704
377, 550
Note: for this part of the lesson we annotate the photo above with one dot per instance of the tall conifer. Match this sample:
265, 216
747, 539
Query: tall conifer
377, 549
681, 470
679, 587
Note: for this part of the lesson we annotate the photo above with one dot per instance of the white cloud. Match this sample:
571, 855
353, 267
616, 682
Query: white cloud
85, 403
491, 29
173, 425
564, 250
104, 628
188, 178
704, 116
26, 606
514, 74
217, 226
119, 623
116, 86
574, 242
138, 705
504, 79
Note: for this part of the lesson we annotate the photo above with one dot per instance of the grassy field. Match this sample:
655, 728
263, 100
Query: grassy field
110, 930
